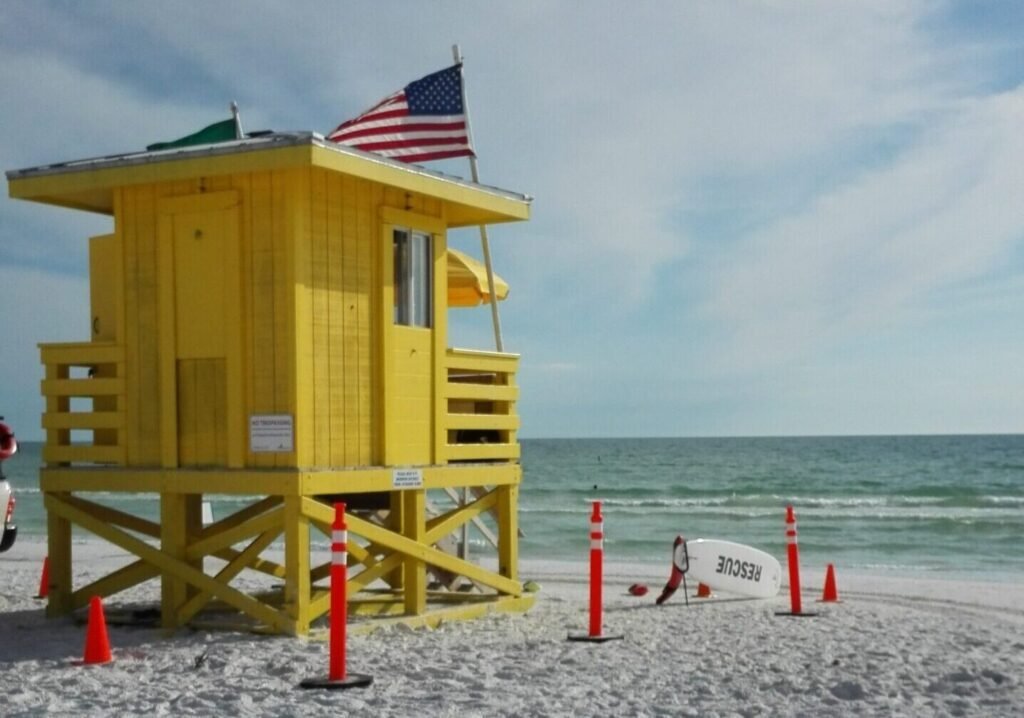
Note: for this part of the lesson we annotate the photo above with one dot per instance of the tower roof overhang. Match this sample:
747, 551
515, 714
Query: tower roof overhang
90, 184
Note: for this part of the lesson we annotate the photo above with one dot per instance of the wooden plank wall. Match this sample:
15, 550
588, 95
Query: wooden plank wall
325, 228
343, 272
136, 226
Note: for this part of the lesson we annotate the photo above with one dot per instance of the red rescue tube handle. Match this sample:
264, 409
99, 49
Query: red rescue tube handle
678, 574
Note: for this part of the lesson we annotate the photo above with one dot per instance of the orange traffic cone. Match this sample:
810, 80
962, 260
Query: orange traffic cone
97, 645
44, 580
830, 594
703, 590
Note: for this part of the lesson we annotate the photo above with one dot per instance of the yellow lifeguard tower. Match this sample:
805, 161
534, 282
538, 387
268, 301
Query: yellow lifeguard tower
269, 324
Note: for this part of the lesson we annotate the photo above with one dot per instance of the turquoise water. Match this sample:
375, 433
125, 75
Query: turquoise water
933, 504
916, 503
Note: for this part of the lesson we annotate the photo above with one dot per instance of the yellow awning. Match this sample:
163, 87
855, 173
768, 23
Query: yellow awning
467, 281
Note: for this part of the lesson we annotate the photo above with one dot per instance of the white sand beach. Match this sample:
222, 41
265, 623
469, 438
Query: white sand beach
891, 647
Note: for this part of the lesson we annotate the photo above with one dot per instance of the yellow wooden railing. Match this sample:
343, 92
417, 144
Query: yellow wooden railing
84, 392
479, 394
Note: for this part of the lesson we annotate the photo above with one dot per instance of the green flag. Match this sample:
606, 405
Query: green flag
217, 132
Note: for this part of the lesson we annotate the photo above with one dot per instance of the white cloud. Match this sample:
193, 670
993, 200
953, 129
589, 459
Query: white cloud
648, 107
860, 257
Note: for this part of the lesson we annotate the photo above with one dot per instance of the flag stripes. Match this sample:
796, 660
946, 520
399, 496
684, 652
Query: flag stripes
424, 121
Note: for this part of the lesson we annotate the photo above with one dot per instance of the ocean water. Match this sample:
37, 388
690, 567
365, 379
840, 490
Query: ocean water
903, 504
952, 504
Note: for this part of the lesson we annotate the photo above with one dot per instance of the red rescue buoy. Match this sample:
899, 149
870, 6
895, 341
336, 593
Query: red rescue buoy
638, 589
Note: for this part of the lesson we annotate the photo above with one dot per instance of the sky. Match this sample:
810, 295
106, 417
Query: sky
749, 219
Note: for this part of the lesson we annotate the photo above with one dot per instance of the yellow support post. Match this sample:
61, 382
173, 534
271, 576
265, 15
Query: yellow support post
59, 554
508, 531
173, 543
296, 548
414, 528
395, 522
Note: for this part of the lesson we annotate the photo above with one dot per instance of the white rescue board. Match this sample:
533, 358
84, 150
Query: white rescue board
729, 567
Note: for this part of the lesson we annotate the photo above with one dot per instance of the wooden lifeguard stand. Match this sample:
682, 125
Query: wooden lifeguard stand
269, 324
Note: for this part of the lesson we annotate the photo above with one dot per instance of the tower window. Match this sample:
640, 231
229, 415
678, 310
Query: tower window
413, 278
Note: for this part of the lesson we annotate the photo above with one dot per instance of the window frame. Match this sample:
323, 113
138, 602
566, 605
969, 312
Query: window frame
413, 277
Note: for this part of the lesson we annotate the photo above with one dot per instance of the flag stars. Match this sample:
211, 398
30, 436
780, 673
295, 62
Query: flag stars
437, 94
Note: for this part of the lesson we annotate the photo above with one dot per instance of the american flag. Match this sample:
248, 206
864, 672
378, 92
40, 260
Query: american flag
422, 122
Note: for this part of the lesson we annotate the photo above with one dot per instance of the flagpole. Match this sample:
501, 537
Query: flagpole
495, 319
238, 121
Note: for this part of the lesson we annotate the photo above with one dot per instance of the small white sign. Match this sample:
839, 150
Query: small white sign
271, 432
407, 478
